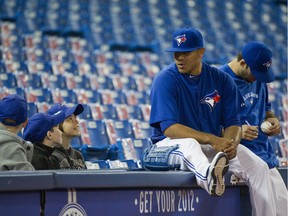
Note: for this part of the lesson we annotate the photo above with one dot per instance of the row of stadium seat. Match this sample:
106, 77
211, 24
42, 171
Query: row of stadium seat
69, 81
116, 24
100, 96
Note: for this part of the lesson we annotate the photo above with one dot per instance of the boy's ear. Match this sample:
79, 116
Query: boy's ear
243, 63
48, 135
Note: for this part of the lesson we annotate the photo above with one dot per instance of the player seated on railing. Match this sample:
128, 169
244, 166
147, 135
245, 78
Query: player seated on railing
190, 104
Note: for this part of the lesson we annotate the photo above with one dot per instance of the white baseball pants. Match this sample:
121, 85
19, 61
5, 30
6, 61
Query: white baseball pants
246, 165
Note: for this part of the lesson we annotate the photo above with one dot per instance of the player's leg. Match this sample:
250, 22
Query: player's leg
255, 172
280, 192
191, 157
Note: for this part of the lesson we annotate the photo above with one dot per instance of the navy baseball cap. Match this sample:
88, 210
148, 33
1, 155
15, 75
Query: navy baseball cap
39, 124
259, 58
13, 110
76, 110
186, 40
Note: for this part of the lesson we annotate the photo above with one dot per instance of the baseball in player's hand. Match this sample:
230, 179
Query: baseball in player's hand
275, 127
249, 132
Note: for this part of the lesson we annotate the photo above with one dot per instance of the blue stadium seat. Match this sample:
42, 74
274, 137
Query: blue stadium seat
64, 96
4, 91
88, 96
131, 148
39, 95
32, 109
78, 82
141, 129
109, 111
54, 81
8, 80
118, 129
87, 113
94, 133
29, 80
112, 97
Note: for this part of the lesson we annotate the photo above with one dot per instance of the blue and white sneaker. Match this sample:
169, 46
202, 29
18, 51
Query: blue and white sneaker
217, 170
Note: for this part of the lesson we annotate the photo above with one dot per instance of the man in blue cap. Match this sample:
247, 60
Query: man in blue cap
43, 131
70, 128
195, 109
15, 153
251, 70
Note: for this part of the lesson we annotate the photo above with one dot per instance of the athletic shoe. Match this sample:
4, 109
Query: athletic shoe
217, 170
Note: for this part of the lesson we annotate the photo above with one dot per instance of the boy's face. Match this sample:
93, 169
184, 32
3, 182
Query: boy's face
71, 126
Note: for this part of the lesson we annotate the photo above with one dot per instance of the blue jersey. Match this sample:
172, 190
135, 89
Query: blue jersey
205, 102
255, 96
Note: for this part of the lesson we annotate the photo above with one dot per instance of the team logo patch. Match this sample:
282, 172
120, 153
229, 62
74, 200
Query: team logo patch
211, 99
268, 64
180, 39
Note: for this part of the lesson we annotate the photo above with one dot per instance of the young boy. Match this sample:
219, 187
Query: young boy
15, 153
43, 131
70, 129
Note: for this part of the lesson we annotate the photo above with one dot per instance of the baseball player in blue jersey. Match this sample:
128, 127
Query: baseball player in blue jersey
191, 102
251, 70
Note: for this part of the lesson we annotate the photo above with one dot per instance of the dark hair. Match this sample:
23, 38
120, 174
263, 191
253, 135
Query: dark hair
61, 127
7, 121
239, 57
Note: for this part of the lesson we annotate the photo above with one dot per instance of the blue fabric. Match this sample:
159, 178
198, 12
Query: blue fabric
255, 96
203, 102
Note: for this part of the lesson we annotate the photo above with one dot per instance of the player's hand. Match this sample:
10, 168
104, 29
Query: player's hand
275, 129
249, 132
231, 150
220, 143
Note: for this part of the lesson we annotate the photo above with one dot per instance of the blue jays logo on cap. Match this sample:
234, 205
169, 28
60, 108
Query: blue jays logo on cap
180, 39
186, 40
211, 99
259, 59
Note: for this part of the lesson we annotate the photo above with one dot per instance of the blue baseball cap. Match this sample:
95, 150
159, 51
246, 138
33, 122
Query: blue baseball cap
76, 110
259, 58
13, 110
39, 124
186, 40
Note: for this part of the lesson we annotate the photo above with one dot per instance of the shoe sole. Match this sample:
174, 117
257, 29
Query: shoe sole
220, 169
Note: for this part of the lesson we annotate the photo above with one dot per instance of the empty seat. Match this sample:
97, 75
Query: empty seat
109, 111
146, 109
112, 97
64, 96
141, 129
132, 149
87, 113
4, 91
39, 95
29, 80
77, 82
117, 129
88, 96
134, 98
94, 133
32, 109
125, 112
54, 81
8, 80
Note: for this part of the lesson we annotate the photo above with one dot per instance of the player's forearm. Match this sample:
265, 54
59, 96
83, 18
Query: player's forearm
233, 132
181, 131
